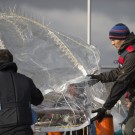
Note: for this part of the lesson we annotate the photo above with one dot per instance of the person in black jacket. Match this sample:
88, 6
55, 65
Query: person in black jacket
17, 93
123, 76
128, 102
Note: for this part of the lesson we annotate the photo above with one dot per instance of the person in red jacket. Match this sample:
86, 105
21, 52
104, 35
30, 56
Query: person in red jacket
123, 76
128, 100
17, 93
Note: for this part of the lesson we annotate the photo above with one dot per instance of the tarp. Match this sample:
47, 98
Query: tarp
58, 64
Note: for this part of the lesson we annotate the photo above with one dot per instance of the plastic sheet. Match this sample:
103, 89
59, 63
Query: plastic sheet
58, 64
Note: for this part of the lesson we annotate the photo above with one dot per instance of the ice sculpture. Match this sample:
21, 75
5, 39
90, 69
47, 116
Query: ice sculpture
58, 64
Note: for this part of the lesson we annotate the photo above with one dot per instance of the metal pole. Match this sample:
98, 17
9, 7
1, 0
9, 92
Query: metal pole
88, 22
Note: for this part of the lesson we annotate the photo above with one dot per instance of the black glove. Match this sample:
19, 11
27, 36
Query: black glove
100, 114
94, 76
93, 79
91, 82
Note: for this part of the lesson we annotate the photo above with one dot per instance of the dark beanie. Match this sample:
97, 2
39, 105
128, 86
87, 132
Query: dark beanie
119, 31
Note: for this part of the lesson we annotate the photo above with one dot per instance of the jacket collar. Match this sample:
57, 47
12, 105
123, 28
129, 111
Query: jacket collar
129, 41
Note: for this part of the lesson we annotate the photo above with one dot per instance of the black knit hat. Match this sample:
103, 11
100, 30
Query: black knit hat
119, 31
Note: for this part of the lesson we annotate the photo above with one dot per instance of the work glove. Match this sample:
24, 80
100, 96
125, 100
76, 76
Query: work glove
93, 79
94, 76
92, 82
100, 114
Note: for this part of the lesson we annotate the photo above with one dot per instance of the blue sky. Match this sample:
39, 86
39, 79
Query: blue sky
70, 17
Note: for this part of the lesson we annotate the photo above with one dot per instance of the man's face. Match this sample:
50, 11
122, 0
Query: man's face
127, 103
72, 89
117, 43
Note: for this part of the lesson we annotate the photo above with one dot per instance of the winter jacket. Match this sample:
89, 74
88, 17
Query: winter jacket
17, 93
123, 76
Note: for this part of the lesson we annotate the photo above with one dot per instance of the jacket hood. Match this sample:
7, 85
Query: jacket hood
8, 66
129, 41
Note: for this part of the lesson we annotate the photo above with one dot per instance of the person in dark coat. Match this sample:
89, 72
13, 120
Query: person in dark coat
123, 76
17, 93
